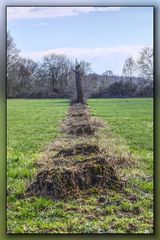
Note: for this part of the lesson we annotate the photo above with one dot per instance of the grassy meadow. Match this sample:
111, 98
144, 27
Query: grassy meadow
33, 124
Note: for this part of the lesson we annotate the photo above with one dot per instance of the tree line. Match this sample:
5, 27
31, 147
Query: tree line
55, 76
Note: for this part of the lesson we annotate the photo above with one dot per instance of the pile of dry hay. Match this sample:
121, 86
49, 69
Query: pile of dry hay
79, 121
60, 182
77, 168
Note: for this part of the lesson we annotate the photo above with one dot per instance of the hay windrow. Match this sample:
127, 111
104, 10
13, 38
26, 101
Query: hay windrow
83, 149
79, 160
79, 121
61, 182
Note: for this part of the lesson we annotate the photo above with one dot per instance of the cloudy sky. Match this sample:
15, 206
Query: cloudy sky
104, 36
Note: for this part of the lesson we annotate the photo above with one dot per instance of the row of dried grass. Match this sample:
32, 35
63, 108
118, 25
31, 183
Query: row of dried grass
61, 182
79, 121
71, 164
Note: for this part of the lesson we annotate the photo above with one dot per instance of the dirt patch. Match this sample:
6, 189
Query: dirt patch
60, 182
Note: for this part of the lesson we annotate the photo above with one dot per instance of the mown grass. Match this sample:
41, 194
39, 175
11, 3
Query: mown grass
32, 124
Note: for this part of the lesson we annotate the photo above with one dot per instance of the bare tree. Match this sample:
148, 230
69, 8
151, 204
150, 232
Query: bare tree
26, 75
145, 63
78, 73
56, 69
81, 69
12, 60
23, 78
129, 68
12, 53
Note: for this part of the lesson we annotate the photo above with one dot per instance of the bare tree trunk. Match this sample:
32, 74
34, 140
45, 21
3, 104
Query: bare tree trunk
80, 98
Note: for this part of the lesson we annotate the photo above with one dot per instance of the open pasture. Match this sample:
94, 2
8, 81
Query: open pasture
33, 124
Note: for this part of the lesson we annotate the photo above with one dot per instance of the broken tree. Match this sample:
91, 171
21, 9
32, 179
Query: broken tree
80, 69
79, 90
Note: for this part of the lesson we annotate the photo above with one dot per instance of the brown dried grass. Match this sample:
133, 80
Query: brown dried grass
86, 156
61, 182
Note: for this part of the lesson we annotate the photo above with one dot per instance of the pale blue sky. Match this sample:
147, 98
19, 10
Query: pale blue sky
103, 36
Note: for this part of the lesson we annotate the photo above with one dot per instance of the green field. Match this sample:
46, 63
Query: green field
33, 124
